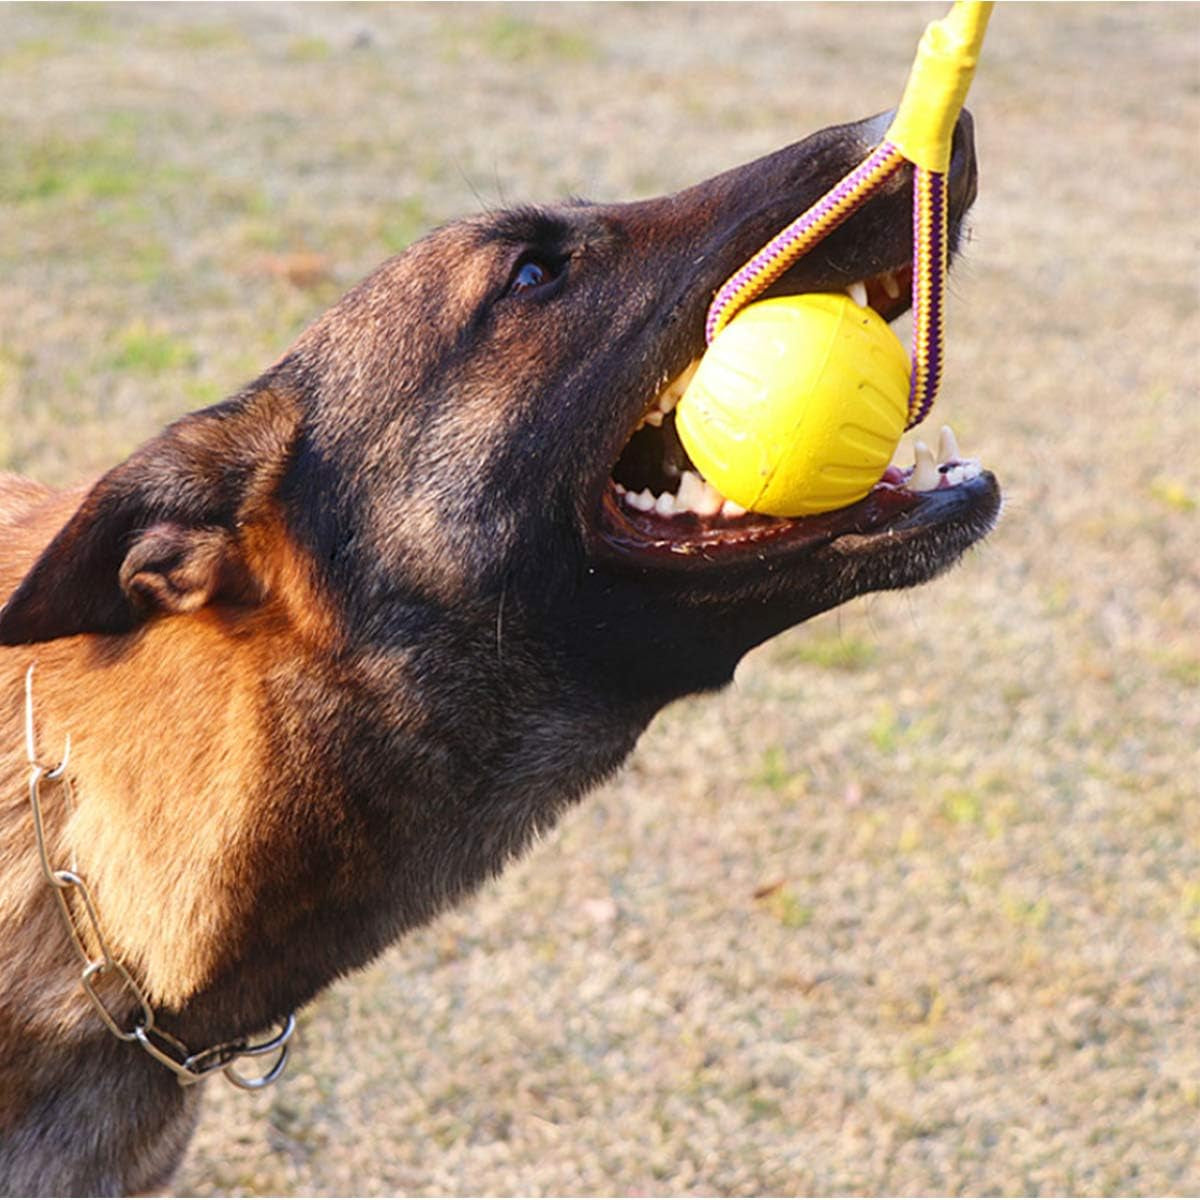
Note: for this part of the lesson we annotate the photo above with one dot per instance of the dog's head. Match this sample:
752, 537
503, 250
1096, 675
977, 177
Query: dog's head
463, 440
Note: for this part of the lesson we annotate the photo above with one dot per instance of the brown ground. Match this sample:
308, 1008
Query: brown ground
915, 906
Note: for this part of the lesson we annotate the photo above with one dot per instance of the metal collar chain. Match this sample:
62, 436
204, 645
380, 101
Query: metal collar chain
81, 920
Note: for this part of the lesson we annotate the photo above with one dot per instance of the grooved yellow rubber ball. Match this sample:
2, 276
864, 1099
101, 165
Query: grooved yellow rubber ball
797, 405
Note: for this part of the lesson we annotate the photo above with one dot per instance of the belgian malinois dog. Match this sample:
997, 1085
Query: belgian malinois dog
328, 654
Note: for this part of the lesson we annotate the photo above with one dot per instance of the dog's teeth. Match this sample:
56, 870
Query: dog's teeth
858, 293
665, 505
653, 417
947, 446
962, 471
925, 476
891, 285
711, 502
673, 392
731, 508
697, 495
691, 491
643, 501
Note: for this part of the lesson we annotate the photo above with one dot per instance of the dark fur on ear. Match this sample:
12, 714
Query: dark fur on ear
160, 532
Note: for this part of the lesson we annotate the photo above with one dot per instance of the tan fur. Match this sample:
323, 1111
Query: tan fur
166, 766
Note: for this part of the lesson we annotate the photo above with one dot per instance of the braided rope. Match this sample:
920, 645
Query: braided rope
929, 279
798, 238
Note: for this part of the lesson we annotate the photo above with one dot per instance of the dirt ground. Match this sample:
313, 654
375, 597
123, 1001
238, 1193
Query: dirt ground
912, 908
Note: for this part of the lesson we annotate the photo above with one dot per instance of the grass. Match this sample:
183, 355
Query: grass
838, 652
92, 169
514, 39
913, 907
149, 351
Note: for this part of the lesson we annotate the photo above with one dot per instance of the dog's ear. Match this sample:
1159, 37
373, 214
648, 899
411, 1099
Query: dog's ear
162, 532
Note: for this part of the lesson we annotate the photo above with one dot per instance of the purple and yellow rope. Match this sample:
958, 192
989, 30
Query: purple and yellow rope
817, 222
930, 260
921, 133
792, 243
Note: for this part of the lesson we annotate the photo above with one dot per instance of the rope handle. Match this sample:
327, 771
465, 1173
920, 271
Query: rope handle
922, 132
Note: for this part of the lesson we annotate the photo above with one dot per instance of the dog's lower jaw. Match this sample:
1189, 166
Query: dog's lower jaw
684, 627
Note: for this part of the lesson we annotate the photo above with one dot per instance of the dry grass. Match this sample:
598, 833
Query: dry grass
915, 906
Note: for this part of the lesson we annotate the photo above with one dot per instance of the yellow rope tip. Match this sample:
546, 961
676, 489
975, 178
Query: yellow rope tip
923, 128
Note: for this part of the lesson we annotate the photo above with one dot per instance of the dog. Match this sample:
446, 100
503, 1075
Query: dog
322, 658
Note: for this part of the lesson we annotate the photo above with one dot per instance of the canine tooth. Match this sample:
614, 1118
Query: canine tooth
691, 491
672, 391
653, 417
947, 446
710, 501
924, 477
891, 285
858, 293
731, 508
665, 505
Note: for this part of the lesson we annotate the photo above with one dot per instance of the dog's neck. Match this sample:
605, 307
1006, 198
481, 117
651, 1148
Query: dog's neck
237, 870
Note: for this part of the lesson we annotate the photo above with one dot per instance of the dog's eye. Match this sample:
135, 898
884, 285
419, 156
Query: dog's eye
531, 273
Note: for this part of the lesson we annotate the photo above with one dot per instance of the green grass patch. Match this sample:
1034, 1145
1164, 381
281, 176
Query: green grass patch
885, 728
403, 224
28, 52
59, 168
149, 351
1027, 914
1173, 493
963, 808
986, 803
99, 167
1191, 909
307, 49
516, 39
773, 772
1180, 667
926, 1056
201, 393
910, 837
112, 165
93, 22
787, 908
197, 37
834, 653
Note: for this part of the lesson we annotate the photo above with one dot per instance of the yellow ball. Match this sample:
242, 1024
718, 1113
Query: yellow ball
797, 405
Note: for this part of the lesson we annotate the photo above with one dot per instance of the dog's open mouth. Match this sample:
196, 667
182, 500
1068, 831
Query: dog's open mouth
658, 504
